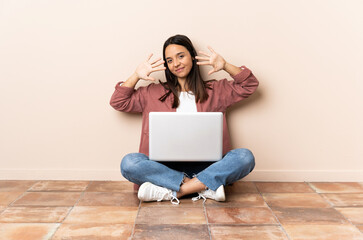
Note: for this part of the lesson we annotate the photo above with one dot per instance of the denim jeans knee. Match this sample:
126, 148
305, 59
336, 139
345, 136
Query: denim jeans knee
128, 164
138, 168
246, 159
235, 165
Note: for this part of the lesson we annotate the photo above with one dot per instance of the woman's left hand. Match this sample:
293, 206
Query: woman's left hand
213, 59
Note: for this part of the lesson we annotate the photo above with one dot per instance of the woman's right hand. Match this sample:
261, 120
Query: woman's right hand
144, 70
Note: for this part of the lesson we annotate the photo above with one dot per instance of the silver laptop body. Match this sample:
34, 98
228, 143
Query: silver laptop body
176, 136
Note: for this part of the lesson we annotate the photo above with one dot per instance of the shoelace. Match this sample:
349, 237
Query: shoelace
166, 194
174, 198
199, 197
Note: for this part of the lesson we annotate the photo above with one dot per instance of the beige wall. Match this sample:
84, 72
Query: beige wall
60, 61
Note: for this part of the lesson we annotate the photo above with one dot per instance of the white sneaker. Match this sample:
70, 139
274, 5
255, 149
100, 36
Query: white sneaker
150, 192
217, 195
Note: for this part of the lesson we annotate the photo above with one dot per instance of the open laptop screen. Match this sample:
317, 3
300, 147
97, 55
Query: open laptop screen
176, 136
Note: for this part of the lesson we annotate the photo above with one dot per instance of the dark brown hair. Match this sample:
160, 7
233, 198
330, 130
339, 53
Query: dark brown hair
194, 80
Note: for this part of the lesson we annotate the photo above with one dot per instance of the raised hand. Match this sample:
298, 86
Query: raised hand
214, 59
144, 70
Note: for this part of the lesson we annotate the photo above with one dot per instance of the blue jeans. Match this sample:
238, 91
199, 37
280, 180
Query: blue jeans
236, 164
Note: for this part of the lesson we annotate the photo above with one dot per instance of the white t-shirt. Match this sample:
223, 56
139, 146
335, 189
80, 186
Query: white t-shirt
187, 102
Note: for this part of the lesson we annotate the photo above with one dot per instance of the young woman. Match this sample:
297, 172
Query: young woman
184, 91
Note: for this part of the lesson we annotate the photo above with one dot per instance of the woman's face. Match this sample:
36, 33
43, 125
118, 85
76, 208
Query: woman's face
179, 60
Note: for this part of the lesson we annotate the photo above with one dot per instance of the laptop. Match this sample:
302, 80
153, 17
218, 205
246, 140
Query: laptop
179, 136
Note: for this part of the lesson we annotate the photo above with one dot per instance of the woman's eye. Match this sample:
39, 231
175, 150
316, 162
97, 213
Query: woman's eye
181, 56
169, 61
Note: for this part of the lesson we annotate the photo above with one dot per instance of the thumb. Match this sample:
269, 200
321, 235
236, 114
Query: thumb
150, 79
211, 71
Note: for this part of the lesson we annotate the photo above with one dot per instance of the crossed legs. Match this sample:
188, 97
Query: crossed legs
237, 163
190, 186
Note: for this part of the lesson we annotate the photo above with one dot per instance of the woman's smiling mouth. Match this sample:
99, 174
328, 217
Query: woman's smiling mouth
179, 69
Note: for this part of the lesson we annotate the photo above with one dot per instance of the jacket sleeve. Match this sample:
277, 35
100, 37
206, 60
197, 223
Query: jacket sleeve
127, 99
242, 86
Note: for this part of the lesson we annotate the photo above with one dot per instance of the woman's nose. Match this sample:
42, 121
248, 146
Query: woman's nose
176, 63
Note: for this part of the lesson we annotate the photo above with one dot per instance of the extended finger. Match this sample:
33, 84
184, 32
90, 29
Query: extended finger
148, 58
203, 63
156, 60
159, 64
158, 69
206, 54
211, 49
202, 58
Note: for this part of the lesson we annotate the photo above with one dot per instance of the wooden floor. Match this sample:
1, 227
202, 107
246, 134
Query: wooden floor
105, 210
